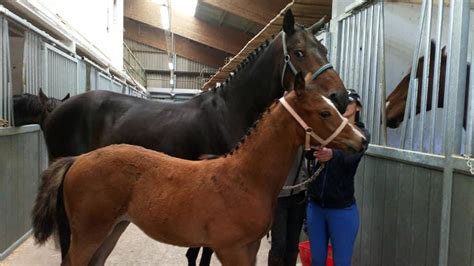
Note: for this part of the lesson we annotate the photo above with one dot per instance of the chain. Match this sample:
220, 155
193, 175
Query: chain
309, 180
469, 164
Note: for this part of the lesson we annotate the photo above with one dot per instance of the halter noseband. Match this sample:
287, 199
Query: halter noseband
287, 61
309, 131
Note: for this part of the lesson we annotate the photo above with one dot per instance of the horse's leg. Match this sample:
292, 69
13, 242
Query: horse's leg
235, 256
192, 255
101, 255
206, 256
253, 250
85, 240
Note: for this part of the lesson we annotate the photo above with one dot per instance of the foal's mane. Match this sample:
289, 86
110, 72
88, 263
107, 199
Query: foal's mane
251, 130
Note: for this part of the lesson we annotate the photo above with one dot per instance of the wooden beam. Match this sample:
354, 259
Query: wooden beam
258, 11
186, 48
218, 37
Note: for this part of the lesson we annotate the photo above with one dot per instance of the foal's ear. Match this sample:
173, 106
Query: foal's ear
42, 97
66, 97
289, 23
299, 84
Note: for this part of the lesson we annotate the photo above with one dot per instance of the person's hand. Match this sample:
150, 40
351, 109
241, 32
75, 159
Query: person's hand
323, 154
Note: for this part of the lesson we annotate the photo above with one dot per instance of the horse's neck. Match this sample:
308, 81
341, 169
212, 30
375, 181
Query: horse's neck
265, 158
255, 86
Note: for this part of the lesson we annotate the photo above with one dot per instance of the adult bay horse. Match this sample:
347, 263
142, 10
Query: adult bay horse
224, 203
211, 123
396, 101
33, 109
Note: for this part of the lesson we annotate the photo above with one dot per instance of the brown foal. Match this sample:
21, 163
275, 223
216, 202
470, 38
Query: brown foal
224, 203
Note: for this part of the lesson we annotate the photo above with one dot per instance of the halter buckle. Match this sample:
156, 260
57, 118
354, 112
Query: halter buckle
287, 58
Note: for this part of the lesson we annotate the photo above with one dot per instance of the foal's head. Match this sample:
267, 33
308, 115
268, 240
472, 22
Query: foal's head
322, 116
33, 109
308, 55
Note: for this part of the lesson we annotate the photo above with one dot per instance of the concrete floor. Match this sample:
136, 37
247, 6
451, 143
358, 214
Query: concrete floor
133, 248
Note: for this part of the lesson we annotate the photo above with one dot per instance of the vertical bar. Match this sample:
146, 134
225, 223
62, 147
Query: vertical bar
455, 81
346, 51
383, 86
413, 100
350, 81
470, 111
414, 66
355, 83
363, 55
436, 75
426, 71
374, 84
368, 65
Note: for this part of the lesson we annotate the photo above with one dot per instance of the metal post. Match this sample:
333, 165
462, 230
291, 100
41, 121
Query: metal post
374, 85
363, 55
383, 85
470, 112
367, 67
455, 81
426, 71
414, 66
436, 73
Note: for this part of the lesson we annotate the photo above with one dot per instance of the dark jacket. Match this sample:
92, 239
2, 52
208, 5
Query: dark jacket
334, 188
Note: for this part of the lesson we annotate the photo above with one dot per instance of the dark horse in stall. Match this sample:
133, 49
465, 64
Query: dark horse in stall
211, 123
34, 109
396, 101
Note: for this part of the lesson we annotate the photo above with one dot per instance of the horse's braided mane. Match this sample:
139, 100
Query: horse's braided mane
249, 59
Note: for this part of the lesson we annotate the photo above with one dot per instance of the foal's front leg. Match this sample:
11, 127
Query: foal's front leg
243, 255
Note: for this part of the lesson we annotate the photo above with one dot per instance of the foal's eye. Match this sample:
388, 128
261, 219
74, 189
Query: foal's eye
299, 53
325, 114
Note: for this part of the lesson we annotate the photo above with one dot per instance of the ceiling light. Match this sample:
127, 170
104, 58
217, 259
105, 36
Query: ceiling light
165, 18
186, 7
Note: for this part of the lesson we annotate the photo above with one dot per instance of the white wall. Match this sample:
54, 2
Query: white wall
100, 22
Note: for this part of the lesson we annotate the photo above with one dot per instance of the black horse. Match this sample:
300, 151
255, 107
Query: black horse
33, 109
211, 123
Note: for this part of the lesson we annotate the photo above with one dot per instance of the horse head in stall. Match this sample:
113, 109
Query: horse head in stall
33, 109
225, 203
395, 103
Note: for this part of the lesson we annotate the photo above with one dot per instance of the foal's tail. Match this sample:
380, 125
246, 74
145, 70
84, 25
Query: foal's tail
48, 214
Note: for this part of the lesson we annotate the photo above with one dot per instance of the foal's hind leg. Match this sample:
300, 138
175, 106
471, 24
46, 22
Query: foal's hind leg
85, 241
101, 255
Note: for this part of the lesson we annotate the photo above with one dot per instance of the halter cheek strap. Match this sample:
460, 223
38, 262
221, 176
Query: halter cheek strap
309, 131
287, 62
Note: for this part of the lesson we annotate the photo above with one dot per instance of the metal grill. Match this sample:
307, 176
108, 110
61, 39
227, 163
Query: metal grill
360, 62
5, 76
61, 73
32, 63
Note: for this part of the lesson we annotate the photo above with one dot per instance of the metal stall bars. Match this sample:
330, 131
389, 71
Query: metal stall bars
61, 72
6, 101
360, 61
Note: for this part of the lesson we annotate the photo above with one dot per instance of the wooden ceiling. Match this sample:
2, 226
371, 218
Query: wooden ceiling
220, 28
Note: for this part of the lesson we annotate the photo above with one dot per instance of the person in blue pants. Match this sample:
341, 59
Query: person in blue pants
332, 211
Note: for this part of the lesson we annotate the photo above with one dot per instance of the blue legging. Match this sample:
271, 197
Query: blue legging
339, 225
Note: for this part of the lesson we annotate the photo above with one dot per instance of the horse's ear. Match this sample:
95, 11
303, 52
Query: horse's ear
43, 98
289, 23
66, 97
299, 83
318, 25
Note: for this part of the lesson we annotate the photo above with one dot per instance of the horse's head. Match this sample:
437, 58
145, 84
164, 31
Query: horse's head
395, 103
32, 109
306, 54
326, 121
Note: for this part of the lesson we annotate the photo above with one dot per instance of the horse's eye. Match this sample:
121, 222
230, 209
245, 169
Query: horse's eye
325, 114
299, 53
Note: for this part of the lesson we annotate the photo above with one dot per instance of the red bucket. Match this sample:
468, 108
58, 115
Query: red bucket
305, 254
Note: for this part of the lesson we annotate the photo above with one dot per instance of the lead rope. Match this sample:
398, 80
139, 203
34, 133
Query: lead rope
469, 164
309, 180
